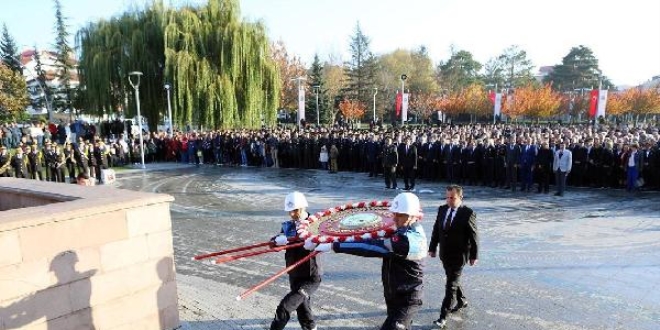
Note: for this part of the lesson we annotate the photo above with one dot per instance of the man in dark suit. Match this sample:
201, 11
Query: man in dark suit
513, 154
455, 232
408, 162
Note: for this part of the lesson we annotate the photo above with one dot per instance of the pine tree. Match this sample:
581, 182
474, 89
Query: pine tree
315, 81
42, 100
9, 52
63, 61
361, 70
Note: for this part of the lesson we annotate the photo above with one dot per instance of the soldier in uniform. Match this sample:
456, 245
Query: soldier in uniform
20, 164
390, 163
57, 170
51, 163
35, 162
70, 160
5, 162
488, 165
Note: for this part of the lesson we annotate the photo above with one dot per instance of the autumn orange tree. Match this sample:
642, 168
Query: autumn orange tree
617, 104
454, 104
352, 109
423, 104
476, 101
642, 101
290, 67
534, 102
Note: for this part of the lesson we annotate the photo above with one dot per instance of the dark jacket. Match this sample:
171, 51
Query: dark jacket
408, 159
308, 270
390, 156
460, 242
402, 271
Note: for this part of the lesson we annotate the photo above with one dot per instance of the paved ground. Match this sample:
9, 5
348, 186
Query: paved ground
588, 260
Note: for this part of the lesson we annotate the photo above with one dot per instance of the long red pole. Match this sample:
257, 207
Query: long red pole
219, 253
256, 253
274, 277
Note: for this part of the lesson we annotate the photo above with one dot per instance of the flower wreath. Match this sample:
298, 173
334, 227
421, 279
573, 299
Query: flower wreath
342, 223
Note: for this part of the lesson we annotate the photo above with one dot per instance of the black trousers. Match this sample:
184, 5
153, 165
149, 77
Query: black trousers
452, 288
390, 176
400, 311
297, 300
409, 177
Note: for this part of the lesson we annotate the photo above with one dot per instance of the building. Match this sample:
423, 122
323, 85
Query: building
52, 81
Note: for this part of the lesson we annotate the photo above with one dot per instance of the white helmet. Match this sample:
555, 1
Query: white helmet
406, 203
295, 200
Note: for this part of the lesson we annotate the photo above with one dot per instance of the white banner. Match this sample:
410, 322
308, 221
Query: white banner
602, 103
404, 107
497, 108
301, 104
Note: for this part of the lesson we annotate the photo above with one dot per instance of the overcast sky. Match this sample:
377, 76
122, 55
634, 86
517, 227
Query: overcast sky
624, 37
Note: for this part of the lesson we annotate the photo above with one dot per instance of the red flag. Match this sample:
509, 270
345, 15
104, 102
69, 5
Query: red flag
491, 96
399, 103
593, 103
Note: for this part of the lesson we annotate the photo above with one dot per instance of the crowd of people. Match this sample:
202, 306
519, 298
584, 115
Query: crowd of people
511, 156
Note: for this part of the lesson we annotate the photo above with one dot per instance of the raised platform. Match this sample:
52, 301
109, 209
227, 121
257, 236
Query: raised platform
79, 257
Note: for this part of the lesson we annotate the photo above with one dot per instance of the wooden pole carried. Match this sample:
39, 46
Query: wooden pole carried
256, 253
274, 277
219, 253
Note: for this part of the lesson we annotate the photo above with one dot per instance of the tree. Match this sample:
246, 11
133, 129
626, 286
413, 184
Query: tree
352, 109
63, 60
9, 51
459, 71
616, 104
512, 68
421, 82
477, 103
290, 68
643, 101
316, 84
579, 70
335, 84
534, 102
13, 93
361, 69
220, 68
47, 94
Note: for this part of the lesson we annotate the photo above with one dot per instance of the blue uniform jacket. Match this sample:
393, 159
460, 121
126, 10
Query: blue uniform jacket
402, 270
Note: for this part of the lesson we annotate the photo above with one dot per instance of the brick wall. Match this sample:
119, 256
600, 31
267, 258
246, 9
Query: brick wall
99, 258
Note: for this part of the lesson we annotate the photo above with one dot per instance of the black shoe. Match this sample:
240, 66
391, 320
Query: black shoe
440, 323
557, 194
459, 306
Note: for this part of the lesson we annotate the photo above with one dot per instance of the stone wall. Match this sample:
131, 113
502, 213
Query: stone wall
75, 257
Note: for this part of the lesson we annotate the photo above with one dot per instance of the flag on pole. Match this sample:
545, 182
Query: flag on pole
404, 107
398, 103
301, 104
593, 103
497, 108
602, 103
491, 96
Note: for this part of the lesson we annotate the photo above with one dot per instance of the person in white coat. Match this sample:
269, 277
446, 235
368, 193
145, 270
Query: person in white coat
562, 164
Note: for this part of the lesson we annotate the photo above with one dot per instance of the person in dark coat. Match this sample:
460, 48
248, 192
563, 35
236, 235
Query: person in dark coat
543, 167
455, 234
408, 163
390, 163
305, 279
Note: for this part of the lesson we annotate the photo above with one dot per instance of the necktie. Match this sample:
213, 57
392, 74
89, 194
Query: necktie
448, 220
560, 154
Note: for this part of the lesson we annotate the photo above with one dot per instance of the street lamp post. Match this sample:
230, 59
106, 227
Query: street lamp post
403, 83
316, 90
136, 86
375, 92
169, 110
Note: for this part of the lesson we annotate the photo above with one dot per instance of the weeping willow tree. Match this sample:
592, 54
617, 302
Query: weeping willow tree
220, 68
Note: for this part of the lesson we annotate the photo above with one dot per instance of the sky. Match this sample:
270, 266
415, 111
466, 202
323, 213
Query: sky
624, 35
